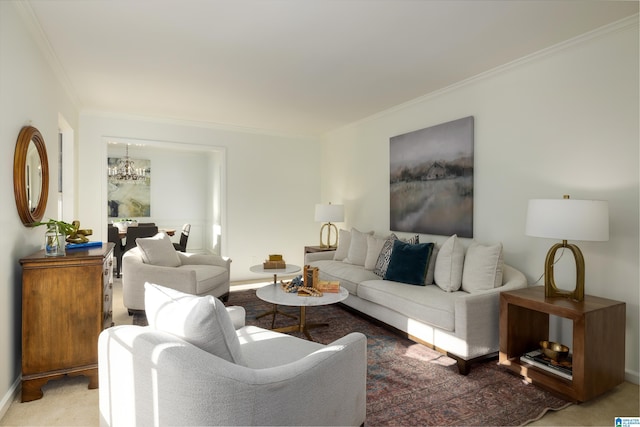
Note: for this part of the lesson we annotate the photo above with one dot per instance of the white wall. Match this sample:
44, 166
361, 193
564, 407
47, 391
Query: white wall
561, 122
29, 94
182, 190
272, 184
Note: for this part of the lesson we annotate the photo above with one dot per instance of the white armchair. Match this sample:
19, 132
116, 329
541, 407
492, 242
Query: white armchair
153, 377
196, 274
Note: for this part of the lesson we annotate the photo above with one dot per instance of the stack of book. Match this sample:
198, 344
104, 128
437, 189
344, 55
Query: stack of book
274, 262
562, 368
330, 286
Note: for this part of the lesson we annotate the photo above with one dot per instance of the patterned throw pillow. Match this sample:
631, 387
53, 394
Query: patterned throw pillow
385, 255
382, 264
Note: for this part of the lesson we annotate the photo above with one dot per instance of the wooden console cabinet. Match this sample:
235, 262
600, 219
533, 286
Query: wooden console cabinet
598, 340
66, 303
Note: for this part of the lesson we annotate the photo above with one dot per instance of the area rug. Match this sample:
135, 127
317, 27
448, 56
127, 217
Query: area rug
411, 384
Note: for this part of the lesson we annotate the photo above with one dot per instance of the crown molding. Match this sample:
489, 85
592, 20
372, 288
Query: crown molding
614, 27
195, 123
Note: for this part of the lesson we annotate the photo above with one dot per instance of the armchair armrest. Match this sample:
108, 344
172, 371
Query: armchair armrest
238, 316
187, 258
477, 315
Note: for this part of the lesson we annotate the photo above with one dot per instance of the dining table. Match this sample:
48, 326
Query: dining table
169, 231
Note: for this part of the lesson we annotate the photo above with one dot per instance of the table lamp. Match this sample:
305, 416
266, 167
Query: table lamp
329, 214
567, 219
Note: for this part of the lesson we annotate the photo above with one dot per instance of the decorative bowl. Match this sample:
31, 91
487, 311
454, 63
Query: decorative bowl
554, 351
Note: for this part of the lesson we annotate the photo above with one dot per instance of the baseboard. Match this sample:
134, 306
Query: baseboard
632, 377
9, 397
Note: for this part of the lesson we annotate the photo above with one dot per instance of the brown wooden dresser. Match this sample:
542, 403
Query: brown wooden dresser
66, 303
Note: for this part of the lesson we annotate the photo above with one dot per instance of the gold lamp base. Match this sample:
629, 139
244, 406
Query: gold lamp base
329, 226
550, 288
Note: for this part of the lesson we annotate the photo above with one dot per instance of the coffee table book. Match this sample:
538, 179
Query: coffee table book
537, 359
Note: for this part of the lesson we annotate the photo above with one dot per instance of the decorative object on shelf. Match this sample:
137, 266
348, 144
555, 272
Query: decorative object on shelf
329, 214
78, 235
306, 291
330, 286
54, 237
275, 262
567, 219
292, 285
310, 276
538, 359
554, 350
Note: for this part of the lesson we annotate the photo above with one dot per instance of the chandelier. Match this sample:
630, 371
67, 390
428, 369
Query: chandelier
126, 171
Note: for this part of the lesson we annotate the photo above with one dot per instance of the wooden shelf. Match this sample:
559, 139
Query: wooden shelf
598, 340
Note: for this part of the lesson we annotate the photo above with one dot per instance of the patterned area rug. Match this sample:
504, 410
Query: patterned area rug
410, 384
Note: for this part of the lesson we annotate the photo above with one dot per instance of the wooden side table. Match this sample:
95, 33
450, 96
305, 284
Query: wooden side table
598, 340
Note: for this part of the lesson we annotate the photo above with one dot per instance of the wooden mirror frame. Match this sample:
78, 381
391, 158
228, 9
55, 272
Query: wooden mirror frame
29, 134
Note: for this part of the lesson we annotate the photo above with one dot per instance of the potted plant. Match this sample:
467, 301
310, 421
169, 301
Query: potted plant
54, 240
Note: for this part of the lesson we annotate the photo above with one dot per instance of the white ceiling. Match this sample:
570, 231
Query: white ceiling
292, 66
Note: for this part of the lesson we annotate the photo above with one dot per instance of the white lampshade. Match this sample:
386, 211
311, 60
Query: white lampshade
329, 213
568, 219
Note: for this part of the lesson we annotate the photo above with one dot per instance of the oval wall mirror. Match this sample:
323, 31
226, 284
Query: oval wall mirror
30, 175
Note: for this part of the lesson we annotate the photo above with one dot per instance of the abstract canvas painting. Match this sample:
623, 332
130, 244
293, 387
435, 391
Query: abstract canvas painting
129, 198
431, 179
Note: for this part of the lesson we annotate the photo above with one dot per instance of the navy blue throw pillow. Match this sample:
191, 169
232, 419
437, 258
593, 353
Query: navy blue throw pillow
408, 263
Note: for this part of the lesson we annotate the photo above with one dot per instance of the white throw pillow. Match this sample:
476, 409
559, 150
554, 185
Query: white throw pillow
449, 264
428, 280
200, 320
482, 267
358, 247
374, 246
158, 250
344, 240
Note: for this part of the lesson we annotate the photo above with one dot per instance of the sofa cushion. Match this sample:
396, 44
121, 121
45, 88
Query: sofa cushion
449, 264
208, 277
158, 250
344, 241
482, 267
349, 275
358, 247
427, 304
408, 263
201, 321
374, 246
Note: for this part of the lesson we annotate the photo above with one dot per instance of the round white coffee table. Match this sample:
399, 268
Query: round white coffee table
276, 295
289, 269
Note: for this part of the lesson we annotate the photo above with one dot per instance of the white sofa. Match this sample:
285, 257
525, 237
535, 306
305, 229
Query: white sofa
155, 375
463, 324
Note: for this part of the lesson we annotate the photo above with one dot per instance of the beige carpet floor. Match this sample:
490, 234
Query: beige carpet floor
68, 402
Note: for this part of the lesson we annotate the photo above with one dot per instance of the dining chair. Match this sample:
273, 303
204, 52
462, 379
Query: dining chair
184, 236
114, 236
140, 231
